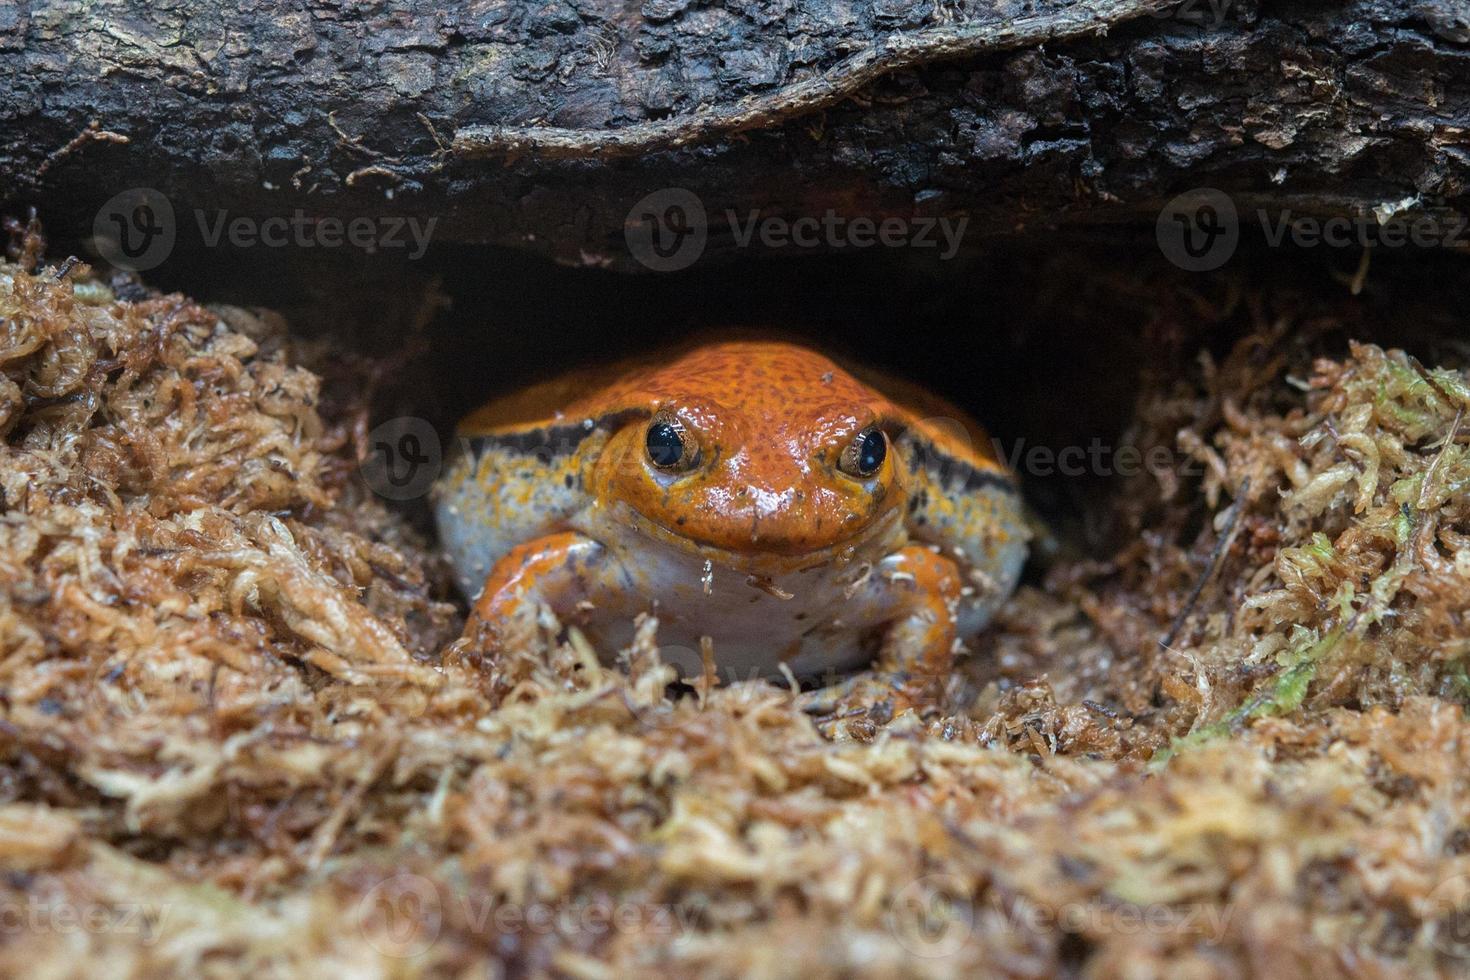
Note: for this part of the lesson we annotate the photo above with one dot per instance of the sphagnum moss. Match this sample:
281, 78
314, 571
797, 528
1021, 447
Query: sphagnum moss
237, 738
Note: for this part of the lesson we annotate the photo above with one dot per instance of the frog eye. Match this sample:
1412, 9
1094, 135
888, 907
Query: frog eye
670, 445
865, 454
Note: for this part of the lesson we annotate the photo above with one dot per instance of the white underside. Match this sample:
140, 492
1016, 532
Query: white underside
825, 627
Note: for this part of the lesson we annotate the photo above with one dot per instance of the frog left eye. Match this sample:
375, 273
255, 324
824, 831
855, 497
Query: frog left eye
865, 454
670, 446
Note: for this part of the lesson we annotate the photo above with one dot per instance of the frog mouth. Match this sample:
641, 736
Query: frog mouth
762, 561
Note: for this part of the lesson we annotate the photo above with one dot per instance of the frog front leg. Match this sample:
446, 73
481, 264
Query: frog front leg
564, 573
915, 593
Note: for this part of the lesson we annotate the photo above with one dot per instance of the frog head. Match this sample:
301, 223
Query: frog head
752, 450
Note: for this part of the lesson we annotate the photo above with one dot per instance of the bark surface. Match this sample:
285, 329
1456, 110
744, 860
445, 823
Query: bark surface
540, 124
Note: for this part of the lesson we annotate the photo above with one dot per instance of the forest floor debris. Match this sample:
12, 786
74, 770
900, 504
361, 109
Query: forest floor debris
236, 732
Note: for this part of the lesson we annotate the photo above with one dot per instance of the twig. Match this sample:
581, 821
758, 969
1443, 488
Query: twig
888, 55
438, 140
92, 133
373, 170
1422, 503
353, 142
1217, 555
1429, 379
1355, 285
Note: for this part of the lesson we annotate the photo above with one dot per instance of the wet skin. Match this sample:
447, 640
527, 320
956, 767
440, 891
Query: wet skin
752, 492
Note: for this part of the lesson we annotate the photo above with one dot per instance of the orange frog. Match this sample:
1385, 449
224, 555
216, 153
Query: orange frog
752, 492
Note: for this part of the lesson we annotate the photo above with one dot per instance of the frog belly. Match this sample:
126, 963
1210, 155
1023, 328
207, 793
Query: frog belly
818, 632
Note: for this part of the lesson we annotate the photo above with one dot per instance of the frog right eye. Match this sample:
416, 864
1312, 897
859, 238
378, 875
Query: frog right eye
671, 446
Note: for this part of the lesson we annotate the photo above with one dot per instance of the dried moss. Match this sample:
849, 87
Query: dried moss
234, 729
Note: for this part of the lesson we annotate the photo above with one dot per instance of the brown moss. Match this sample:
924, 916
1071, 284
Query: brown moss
234, 730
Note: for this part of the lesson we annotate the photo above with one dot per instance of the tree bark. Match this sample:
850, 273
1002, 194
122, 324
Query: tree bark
540, 124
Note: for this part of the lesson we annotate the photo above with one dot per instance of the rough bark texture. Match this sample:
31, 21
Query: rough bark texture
539, 124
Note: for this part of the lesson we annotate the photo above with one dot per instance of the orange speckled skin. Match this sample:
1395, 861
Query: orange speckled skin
555, 501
